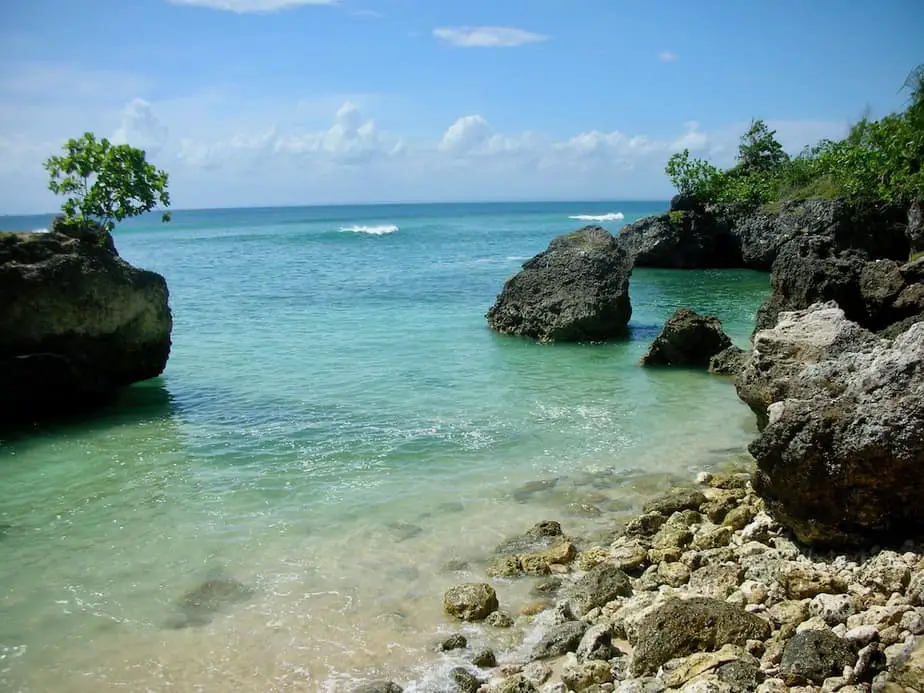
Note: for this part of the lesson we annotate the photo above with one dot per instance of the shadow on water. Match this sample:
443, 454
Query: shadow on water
147, 401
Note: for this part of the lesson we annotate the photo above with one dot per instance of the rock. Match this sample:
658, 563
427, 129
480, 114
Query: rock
916, 587
683, 626
499, 619
687, 339
838, 463
804, 580
647, 684
716, 580
578, 676
741, 675
537, 672
560, 639
694, 240
680, 671
675, 501
630, 558
597, 643
729, 361
470, 601
84, 323
672, 536
575, 291
871, 661
540, 563
814, 655
465, 681
484, 658
504, 566
738, 518
712, 538
645, 525
538, 538
602, 584
545, 587
673, 574
456, 641
217, 592
913, 622
773, 686
886, 572
516, 684
861, 636
379, 687
908, 669
832, 608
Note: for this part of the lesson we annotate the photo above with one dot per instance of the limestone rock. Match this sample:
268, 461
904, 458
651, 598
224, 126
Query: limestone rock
683, 626
729, 361
516, 684
602, 583
559, 640
840, 457
470, 601
84, 323
378, 687
465, 681
687, 339
575, 291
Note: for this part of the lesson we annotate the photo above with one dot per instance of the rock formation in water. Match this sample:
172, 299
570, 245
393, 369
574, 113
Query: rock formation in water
575, 291
841, 450
76, 321
687, 339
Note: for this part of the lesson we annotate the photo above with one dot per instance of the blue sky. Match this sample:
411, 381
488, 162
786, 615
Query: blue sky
266, 102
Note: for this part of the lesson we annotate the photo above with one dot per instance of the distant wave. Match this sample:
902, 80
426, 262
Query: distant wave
39, 230
612, 216
517, 258
374, 230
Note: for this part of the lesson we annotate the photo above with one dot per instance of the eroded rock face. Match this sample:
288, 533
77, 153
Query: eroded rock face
841, 450
685, 239
575, 291
688, 339
76, 321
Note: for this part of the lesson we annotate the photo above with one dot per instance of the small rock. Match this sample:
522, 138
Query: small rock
833, 608
803, 581
545, 587
645, 525
516, 684
465, 681
739, 517
760, 529
537, 672
484, 658
630, 558
871, 661
580, 676
908, 669
754, 592
470, 601
913, 622
712, 538
673, 574
680, 671
861, 636
813, 623
886, 572
916, 588
716, 580
672, 536
597, 643
456, 641
772, 686
588, 559
602, 584
741, 675
499, 619
560, 640
814, 655
504, 566
675, 501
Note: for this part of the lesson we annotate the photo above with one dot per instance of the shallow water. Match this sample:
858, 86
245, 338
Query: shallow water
336, 424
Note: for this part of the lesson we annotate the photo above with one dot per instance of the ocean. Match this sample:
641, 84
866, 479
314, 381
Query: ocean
338, 438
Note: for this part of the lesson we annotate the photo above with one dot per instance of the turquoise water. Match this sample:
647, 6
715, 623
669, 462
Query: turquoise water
336, 423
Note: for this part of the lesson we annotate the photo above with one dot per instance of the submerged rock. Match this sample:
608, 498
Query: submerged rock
688, 339
378, 687
76, 323
839, 458
575, 291
200, 605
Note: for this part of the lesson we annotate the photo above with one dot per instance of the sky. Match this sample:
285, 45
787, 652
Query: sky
290, 102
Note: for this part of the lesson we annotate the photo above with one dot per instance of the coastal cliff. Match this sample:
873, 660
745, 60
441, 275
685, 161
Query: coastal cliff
76, 321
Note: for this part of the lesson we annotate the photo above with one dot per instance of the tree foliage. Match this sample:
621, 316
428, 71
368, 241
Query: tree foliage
106, 183
878, 161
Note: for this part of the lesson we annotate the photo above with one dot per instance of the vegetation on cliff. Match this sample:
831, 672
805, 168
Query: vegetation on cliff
879, 161
105, 183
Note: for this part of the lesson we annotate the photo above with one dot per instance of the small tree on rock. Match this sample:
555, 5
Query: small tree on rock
759, 152
106, 183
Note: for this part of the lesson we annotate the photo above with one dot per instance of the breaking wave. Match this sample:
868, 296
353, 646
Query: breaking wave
374, 230
612, 216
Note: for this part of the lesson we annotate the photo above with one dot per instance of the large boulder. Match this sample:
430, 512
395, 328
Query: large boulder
575, 291
681, 240
76, 321
840, 453
683, 626
688, 339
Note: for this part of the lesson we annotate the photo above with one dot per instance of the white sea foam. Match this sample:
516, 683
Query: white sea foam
374, 230
612, 216
39, 230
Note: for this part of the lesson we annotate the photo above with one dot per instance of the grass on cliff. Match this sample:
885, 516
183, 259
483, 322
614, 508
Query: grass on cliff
879, 161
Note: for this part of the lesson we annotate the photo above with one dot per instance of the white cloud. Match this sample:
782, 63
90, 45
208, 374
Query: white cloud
141, 128
693, 139
487, 36
667, 56
243, 6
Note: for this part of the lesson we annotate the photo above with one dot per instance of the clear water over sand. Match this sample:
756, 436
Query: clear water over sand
336, 435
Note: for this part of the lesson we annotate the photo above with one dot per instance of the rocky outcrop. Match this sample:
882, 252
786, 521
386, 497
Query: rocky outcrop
687, 339
76, 321
682, 239
841, 450
575, 291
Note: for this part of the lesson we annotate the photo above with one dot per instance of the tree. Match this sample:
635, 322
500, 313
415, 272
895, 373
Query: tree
106, 183
694, 178
759, 152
